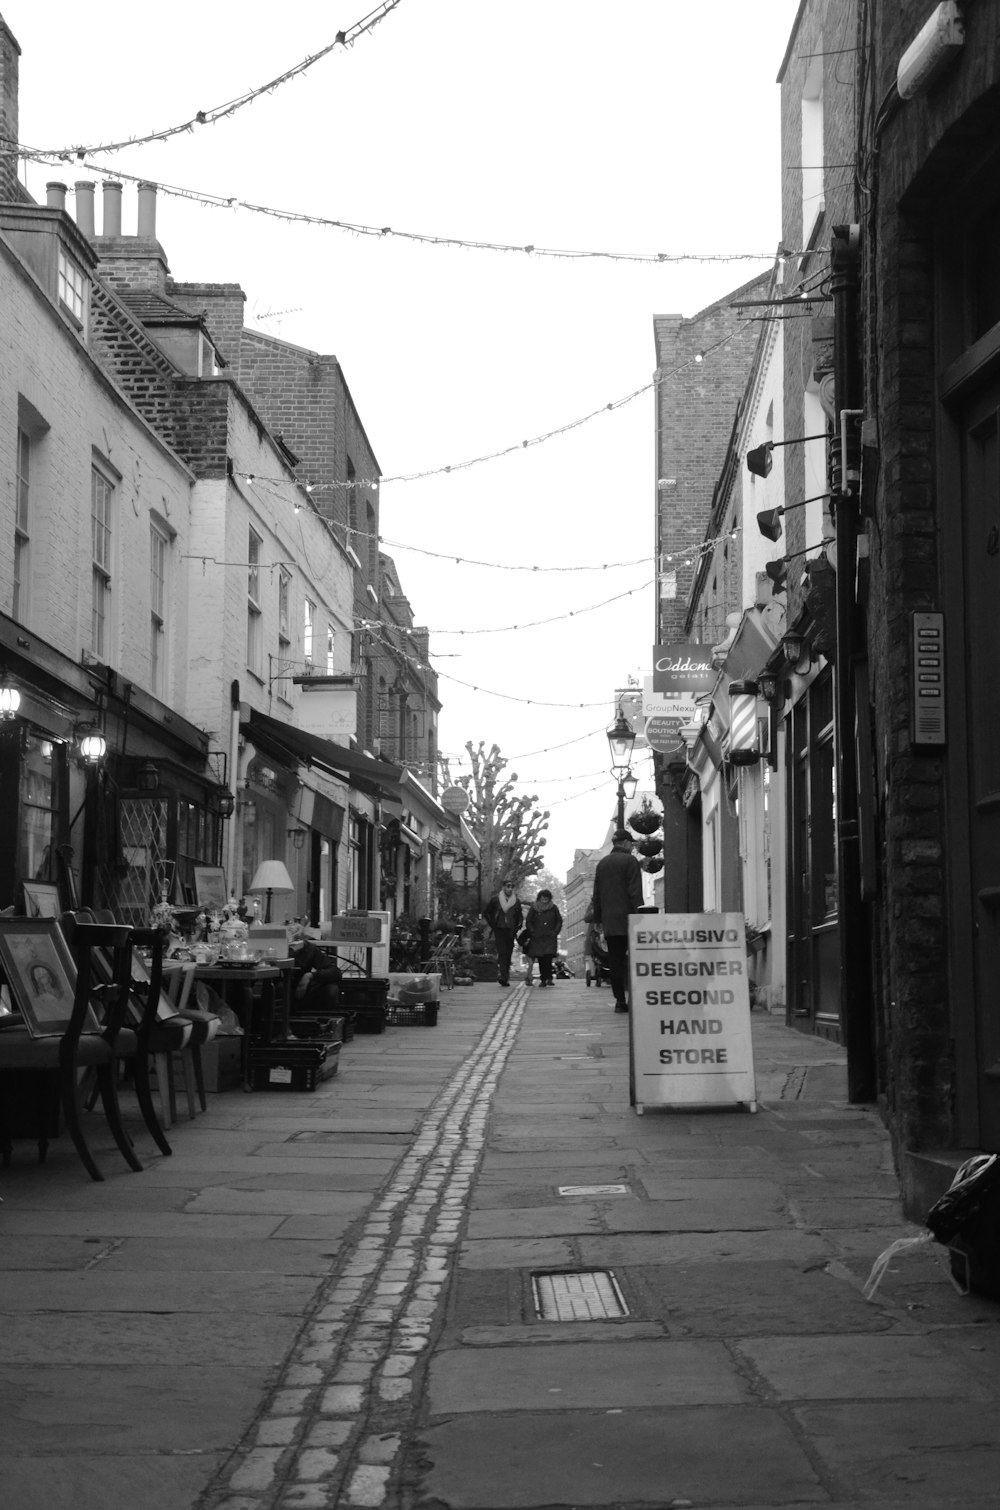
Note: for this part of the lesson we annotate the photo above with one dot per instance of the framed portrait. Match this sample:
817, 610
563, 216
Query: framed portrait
210, 886
41, 900
40, 972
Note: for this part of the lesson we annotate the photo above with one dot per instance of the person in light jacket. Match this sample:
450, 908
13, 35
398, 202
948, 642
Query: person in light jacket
617, 893
543, 923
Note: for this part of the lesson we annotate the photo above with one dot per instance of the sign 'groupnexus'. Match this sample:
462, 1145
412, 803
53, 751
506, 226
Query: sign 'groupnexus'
690, 1022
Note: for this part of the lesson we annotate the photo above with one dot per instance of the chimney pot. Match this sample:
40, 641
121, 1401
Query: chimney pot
147, 210
85, 207
112, 209
55, 195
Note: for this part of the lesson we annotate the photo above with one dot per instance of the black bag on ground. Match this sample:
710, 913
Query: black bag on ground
967, 1220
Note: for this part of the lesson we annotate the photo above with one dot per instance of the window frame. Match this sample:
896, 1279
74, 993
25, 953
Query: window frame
308, 632
72, 287
21, 587
103, 483
255, 612
159, 546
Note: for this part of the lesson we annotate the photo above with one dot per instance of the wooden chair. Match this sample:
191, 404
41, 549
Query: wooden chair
204, 1027
177, 1028
92, 1034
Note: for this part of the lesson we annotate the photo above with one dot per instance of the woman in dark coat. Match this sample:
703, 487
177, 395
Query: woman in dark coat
543, 924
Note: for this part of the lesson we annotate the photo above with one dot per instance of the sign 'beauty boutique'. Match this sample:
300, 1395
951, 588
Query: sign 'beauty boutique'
682, 673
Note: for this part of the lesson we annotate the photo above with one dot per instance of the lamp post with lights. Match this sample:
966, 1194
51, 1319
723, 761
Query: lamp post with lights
621, 739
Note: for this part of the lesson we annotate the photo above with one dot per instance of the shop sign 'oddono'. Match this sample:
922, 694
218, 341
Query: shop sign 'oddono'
690, 1019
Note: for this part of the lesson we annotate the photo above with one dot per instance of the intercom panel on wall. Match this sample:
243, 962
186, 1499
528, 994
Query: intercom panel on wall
927, 716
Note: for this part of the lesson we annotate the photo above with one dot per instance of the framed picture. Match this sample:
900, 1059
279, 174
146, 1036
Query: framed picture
41, 900
39, 969
210, 886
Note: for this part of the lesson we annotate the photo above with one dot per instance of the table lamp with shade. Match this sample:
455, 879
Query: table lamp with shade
273, 879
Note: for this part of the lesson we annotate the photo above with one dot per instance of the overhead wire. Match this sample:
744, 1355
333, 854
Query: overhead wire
345, 39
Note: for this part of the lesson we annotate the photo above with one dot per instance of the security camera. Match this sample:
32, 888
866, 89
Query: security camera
933, 48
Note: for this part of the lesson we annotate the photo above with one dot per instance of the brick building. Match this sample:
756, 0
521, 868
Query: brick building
198, 587
884, 678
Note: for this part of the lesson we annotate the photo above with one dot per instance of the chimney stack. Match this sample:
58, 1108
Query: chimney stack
147, 211
55, 195
112, 209
85, 207
10, 53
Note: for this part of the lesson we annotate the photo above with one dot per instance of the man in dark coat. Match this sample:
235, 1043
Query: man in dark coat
505, 915
617, 892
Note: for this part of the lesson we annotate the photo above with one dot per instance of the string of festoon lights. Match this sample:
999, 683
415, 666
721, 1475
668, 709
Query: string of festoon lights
656, 381
344, 39
418, 665
214, 201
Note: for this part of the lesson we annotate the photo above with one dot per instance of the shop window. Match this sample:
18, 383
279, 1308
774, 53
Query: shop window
38, 794
331, 646
102, 492
255, 618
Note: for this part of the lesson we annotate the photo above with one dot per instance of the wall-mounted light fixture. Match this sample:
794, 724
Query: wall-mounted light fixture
759, 459
147, 778
297, 836
778, 570
767, 682
91, 744
225, 802
447, 859
10, 701
793, 645
744, 730
769, 520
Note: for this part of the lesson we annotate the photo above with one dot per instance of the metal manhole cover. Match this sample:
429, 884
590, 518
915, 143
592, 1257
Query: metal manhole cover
588, 1295
592, 1190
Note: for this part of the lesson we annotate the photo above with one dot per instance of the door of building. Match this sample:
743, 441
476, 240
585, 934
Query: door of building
813, 943
980, 426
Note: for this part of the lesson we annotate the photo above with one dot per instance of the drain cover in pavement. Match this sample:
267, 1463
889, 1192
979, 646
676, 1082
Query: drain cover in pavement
589, 1295
592, 1190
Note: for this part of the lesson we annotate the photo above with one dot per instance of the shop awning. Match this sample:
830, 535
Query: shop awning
379, 778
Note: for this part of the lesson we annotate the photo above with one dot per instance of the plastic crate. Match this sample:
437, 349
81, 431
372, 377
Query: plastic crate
365, 999
357, 991
326, 1029
291, 1065
422, 1014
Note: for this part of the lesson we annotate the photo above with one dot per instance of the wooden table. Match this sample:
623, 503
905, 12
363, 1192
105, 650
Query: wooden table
266, 979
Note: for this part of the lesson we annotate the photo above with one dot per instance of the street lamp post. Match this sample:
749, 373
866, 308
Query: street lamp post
621, 739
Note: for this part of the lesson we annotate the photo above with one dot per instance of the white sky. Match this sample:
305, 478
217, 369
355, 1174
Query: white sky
635, 125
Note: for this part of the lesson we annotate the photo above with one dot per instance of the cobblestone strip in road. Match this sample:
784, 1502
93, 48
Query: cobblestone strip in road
332, 1428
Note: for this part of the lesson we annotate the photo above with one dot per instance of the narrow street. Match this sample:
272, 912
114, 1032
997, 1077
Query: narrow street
463, 1273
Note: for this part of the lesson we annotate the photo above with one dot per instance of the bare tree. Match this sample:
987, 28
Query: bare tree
509, 829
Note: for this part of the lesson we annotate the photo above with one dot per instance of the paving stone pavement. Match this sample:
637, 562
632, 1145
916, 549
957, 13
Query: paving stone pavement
331, 1299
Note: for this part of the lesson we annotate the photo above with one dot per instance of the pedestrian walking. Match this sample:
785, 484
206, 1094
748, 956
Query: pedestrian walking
504, 914
543, 924
617, 892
